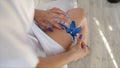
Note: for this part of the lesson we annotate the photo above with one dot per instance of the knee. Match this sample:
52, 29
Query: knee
78, 14
78, 11
81, 10
82, 14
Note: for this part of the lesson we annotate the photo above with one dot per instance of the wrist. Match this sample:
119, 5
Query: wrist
71, 54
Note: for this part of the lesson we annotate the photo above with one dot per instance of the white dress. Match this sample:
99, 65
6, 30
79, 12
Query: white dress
16, 18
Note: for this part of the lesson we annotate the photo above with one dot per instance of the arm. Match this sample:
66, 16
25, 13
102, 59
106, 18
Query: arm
77, 52
56, 61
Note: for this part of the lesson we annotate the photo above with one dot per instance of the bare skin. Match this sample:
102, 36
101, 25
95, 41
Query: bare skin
60, 36
42, 16
75, 53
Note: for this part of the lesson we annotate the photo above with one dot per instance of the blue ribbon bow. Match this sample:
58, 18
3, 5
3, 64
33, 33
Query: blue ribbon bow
72, 30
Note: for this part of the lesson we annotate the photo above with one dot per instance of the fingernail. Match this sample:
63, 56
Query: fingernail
57, 26
50, 29
82, 46
80, 37
61, 26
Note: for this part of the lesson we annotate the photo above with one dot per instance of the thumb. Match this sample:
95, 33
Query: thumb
81, 42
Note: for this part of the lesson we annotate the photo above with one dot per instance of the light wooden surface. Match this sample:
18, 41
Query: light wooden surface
104, 35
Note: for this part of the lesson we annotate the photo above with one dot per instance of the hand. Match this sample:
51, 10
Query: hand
80, 50
46, 18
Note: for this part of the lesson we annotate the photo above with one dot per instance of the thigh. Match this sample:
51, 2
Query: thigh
61, 37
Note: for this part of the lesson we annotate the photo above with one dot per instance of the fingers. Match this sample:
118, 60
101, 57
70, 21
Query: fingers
60, 17
55, 24
49, 16
59, 14
58, 11
82, 43
82, 51
45, 25
85, 47
52, 23
80, 39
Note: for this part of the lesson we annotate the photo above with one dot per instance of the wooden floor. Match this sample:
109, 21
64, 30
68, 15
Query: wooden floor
104, 35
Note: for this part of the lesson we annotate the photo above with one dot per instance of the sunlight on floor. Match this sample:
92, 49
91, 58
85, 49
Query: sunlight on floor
96, 21
110, 28
106, 42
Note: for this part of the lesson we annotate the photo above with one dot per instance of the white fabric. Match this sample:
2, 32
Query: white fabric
16, 17
49, 45
17, 47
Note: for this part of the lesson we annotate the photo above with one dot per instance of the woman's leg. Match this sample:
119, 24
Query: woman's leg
61, 37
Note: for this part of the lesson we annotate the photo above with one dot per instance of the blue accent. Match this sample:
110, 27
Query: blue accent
80, 36
50, 29
72, 30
